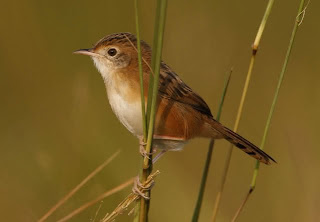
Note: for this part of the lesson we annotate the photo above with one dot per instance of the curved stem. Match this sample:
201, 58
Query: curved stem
197, 209
244, 93
298, 21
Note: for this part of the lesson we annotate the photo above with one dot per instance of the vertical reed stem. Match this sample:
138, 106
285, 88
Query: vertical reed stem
154, 50
299, 17
197, 209
239, 113
152, 99
143, 109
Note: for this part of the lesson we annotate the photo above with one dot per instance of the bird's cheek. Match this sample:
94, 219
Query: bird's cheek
122, 61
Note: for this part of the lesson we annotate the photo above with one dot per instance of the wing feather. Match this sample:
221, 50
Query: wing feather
171, 87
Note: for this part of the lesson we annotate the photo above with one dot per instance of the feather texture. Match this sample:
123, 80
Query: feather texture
181, 115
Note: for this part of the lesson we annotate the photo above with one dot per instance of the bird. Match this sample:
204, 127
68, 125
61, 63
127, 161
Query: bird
181, 114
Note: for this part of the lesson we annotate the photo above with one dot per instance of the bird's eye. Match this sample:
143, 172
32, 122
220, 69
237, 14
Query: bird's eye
112, 52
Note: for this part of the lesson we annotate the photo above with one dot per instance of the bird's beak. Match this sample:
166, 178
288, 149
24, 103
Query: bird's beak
85, 52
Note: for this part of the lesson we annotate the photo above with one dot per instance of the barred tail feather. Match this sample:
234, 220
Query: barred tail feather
242, 143
247, 147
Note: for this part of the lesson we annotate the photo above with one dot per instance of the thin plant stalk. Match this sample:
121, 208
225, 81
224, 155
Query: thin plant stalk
96, 200
157, 58
154, 50
197, 209
153, 91
124, 205
298, 20
77, 188
239, 113
143, 108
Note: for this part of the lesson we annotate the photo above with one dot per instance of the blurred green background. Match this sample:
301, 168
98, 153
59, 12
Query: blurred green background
57, 125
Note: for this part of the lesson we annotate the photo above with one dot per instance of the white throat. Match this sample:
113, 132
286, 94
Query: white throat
128, 112
104, 67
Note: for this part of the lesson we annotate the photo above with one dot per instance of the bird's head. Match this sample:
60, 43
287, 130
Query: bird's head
116, 52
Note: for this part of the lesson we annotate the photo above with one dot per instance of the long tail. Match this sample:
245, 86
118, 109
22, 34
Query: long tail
242, 143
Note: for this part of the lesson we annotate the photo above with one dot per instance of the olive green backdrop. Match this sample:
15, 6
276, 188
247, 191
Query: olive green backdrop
57, 125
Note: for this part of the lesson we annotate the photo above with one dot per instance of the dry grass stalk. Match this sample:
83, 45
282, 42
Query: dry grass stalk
298, 21
255, 47
130, 199
99, 198
74, 190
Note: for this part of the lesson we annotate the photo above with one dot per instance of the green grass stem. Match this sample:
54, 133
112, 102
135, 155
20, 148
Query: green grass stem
298, 20
143, 108
197, 209
152, 100
239, 113
154, 51
156, 71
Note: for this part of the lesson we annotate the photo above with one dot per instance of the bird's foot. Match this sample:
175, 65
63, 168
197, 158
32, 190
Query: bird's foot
142, 149
139, 189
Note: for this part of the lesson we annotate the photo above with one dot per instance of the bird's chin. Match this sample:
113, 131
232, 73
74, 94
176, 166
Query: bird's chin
103, 66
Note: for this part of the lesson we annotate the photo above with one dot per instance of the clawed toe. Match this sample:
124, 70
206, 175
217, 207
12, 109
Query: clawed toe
143, 151
142, 143
139, 189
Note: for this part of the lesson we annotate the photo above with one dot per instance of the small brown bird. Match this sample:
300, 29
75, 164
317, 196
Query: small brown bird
182, 114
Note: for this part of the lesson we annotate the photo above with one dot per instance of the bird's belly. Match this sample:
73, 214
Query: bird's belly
128, 112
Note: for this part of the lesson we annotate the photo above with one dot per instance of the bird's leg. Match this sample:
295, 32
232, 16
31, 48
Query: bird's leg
139, 189
142, 149
157, 157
